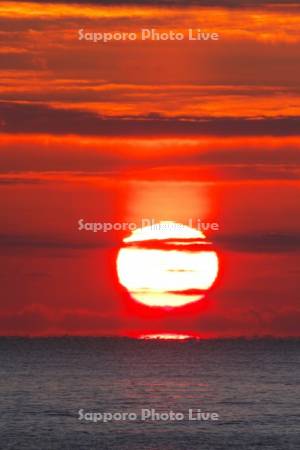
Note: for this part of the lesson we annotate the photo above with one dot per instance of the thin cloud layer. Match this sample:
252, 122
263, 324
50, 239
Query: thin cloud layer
210, 3
35, 118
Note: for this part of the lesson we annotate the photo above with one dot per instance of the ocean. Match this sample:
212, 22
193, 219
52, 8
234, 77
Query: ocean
55, 393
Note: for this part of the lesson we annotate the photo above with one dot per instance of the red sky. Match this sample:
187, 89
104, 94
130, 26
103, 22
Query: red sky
165, 130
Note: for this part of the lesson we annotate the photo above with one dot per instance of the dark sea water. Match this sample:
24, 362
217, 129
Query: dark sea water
252, 385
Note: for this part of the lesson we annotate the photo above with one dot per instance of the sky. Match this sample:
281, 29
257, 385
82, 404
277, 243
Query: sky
164, 130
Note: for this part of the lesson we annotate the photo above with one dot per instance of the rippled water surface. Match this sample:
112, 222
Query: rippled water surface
252, 385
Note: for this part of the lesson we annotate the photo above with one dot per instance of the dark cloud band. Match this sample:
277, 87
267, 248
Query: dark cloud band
37, 118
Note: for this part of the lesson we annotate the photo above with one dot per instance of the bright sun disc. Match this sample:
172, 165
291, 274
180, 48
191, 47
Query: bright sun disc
167, 265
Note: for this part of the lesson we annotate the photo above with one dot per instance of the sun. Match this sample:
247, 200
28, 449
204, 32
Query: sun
167, 265
166, 337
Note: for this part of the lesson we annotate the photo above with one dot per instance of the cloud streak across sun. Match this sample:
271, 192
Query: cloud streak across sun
171, 276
